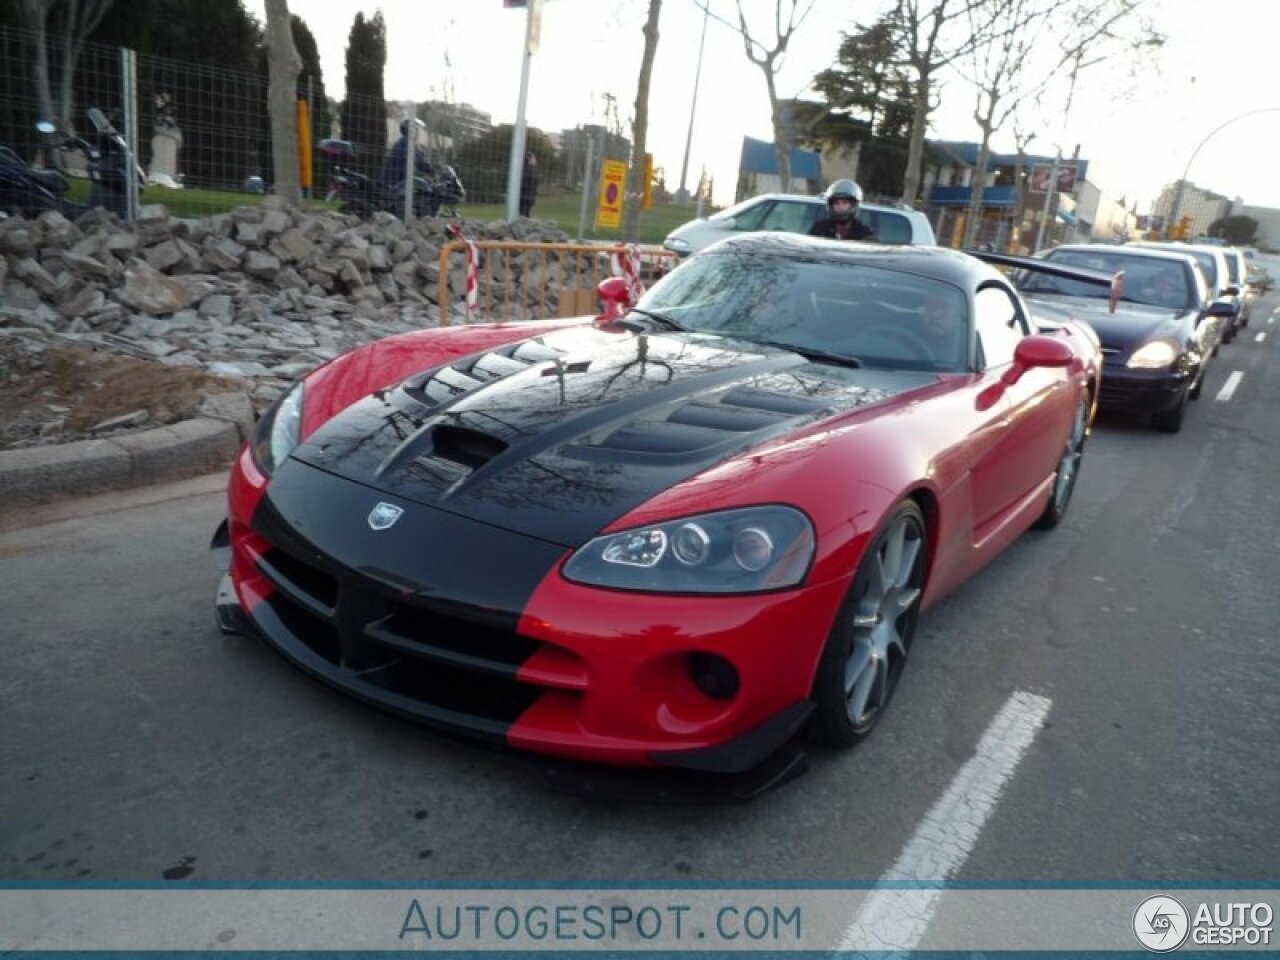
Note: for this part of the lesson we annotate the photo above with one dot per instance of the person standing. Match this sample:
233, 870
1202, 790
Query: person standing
528, 184
841, 221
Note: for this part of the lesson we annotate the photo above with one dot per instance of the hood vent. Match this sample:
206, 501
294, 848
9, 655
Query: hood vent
468, 448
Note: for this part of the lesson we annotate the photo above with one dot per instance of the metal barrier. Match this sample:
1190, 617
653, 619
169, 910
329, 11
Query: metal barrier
528, 281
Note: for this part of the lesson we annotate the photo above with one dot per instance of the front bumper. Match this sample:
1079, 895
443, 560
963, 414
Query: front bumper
1142, 391
504, 649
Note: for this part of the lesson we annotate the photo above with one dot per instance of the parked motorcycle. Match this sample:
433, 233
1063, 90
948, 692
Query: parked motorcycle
31, 191
437, 191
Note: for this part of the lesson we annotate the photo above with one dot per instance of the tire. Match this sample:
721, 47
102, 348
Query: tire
1170, 421
358, 207
1064, 477
867, 648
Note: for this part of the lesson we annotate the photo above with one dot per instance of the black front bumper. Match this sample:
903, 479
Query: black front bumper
1141, 391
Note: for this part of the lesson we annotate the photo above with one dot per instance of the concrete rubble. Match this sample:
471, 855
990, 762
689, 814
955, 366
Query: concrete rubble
261, 294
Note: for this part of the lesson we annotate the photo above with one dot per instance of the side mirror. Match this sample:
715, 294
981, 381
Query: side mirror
1038, 351
1231, 291
616, 295
1221, 308
729, 223
99, 120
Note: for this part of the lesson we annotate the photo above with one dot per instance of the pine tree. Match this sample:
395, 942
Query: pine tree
364, 112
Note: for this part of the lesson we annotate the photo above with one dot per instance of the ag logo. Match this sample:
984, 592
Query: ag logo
1161, 924
384, 516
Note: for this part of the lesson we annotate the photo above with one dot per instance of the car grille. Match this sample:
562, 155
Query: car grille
459, 667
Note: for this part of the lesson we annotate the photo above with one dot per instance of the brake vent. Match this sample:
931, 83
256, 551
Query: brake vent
470, 448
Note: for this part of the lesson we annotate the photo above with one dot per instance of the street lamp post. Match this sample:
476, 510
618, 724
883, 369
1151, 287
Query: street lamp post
1176, 209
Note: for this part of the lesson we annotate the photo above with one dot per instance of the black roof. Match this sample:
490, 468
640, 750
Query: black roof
938, 263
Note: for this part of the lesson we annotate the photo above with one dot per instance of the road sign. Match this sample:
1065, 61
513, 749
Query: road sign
1040, 174
613, 182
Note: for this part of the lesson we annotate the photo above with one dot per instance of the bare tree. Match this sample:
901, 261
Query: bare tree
68, 23
933, 35
1045, 42
284, 64
769, 60
631, 215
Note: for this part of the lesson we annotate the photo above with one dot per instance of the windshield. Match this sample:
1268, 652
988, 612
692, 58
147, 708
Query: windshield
1156, 281
878, 317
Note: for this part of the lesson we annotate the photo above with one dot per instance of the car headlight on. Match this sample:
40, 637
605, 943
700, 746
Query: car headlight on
745, 550
279, 431
1154, 355
676, 244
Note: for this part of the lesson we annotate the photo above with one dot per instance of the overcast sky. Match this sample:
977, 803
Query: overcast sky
1139, 132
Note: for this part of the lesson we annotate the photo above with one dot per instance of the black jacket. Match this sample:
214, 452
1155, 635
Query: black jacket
841, 229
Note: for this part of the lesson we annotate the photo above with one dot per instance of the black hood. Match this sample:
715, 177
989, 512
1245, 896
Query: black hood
1132, 324
557, 436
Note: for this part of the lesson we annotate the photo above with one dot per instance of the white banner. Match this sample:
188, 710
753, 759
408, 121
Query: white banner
775, 921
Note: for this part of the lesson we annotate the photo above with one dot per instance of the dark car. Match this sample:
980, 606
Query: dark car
1158, 329
675, 535
1217, 274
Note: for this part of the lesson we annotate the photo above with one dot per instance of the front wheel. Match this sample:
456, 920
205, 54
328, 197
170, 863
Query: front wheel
1064, 478
866, 651
1170, 421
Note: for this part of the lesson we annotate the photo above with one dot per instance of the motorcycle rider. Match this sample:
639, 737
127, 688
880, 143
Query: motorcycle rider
393, 167
841, 222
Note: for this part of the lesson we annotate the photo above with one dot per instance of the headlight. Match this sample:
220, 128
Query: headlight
1154, 355
279, 431
734, 551
676, 244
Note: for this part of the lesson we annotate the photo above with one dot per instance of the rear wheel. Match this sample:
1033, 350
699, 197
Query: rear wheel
1064, 478
866, 651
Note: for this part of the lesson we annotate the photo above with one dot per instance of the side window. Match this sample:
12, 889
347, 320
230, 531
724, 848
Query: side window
999, 323
888, 227
752, 217
786, 216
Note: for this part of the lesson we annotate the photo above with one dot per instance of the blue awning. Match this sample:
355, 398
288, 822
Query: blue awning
758, 156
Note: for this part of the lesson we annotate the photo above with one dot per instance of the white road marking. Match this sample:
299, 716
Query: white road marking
892, 919
1260, 337
1229, 388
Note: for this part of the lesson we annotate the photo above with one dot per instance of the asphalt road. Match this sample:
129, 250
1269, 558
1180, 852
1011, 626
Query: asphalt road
138, 744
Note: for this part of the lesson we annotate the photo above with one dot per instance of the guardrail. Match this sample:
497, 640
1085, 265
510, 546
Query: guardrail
528, 281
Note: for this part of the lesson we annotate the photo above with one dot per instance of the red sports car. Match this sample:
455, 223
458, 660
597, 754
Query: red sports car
677, 535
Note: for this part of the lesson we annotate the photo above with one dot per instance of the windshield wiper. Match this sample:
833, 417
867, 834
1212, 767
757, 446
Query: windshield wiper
809, 353
661, 319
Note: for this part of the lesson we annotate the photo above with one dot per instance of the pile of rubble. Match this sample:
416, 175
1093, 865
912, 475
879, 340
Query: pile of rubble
258, 295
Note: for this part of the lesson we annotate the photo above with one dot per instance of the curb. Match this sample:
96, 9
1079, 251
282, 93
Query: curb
41, 474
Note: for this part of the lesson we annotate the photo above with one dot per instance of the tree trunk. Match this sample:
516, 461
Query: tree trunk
37, 19
978, 187
284, 65
915, 147
781, 144
631, 210
1019, 199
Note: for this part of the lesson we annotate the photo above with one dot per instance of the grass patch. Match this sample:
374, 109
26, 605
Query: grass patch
562, 208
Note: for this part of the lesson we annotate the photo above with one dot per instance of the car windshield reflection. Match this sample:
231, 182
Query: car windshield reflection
831, 312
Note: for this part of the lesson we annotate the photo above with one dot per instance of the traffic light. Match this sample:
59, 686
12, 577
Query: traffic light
646, 187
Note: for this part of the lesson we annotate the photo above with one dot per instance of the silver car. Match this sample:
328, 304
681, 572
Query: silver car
796, 213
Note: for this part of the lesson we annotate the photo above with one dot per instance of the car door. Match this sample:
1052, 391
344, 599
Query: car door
1035, 412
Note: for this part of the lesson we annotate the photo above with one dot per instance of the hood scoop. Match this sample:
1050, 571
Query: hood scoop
467, 448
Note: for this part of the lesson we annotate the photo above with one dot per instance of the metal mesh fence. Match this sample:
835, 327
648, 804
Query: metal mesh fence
204, 143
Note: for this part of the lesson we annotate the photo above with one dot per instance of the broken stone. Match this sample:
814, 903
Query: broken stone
216, 305
150, 291
88, 301
261, 266
223, 253
164, 256
135, 418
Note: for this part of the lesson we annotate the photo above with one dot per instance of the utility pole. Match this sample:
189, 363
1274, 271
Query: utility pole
682, 195
533, 19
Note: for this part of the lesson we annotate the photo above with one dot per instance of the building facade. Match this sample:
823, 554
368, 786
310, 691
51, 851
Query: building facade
1202, 206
